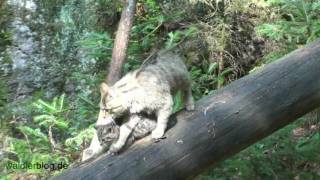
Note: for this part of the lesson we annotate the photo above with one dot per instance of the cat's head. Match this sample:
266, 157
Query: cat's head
105, 137
113, 102
108, 133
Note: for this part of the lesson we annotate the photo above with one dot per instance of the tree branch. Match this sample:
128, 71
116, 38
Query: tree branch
121, 42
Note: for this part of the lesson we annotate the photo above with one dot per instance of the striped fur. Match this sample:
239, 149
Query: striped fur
109, 136
149, 89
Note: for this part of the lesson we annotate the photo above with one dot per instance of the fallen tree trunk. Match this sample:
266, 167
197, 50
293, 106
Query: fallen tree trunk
222, 124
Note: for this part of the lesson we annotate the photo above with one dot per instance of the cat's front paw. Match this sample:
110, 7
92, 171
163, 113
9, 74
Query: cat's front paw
157, 133
190, 107
114, 149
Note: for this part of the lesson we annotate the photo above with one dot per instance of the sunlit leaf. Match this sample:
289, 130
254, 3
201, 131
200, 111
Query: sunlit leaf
212, 67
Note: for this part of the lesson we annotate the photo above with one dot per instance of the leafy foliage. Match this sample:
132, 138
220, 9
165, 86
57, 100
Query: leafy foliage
97, 45
51, 113
5, 17
297, 23
206, 78
39, 146
300, 23
80, 138
177, 37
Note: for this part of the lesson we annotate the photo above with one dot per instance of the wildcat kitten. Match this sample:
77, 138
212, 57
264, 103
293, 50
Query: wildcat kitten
106, 136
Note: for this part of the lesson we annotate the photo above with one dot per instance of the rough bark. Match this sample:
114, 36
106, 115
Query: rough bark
119, 51
223, 123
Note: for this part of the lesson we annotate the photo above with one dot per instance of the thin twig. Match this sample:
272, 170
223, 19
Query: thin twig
52, 142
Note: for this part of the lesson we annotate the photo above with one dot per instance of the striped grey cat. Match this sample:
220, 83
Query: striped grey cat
109, 134
149, 89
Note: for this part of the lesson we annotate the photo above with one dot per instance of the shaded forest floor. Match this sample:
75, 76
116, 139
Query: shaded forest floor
289, 153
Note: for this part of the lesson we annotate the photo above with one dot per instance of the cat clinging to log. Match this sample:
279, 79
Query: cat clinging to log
149, 89
106, 138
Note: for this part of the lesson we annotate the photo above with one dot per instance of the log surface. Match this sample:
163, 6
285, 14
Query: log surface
223, 123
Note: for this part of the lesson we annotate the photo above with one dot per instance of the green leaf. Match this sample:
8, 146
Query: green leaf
46, 106
160, 19
221, 79
47, 123
178, 102
226, 71
61, 101
212, 67
76, 142
43, 117
191, 30
54, 102
38, 106
61, 123
173, 38
33, 132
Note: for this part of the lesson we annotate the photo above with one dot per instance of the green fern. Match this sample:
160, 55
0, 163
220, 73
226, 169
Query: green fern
176, 37
301, 25
51, 113
83, 136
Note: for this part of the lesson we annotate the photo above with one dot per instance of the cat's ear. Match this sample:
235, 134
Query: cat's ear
104, 88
